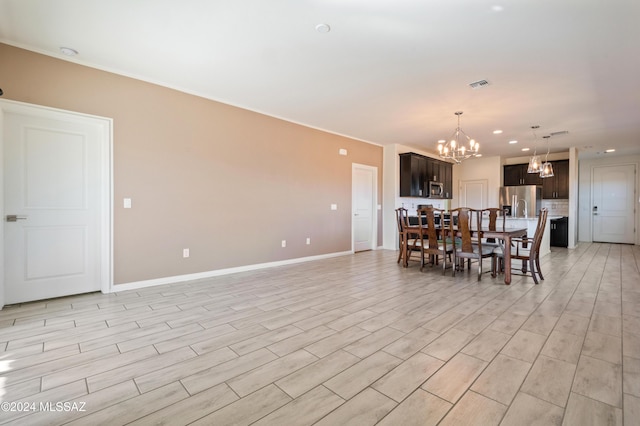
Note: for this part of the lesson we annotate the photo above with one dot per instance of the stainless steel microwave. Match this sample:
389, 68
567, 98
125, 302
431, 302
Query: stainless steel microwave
436, 190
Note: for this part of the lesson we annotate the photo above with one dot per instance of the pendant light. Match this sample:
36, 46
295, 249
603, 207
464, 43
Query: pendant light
535, 165
457, 150
547, 167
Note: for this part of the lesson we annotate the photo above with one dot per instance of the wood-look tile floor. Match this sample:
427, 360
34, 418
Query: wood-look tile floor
352, 340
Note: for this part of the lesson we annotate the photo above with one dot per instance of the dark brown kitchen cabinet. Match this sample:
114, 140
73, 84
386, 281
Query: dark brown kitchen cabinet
559, 236
516, 174
512, 175
447, 180
413, 172
557, 186
441, 171
433, 170
416, 171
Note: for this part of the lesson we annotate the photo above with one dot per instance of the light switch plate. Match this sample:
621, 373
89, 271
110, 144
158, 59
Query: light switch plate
334, 207
127, 203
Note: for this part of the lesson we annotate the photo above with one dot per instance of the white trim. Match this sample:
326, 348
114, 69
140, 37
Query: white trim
374, 207
106, 141
218, 272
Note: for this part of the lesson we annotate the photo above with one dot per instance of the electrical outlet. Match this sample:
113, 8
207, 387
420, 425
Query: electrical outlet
127, 203
185, 252
308, 240
334, 207
284, 243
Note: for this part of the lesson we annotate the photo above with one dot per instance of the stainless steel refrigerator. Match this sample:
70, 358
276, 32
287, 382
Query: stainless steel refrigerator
523, 201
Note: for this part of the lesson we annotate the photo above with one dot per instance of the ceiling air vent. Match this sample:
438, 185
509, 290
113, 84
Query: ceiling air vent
560, 133
478, 84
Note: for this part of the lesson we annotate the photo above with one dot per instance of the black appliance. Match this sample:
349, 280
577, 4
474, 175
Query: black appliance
560, 232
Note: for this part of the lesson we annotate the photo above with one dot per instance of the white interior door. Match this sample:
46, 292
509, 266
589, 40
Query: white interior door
364, 201
613, 204
55, 215
473, 193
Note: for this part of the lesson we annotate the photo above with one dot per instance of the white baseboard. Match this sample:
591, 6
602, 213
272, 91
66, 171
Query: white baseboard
218, 272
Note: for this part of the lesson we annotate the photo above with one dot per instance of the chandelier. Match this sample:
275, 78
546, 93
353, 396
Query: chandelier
547, 168
457, 150
535, 165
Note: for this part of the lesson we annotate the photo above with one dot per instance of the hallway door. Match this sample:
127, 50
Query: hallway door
613, 204
364, 207
56, 202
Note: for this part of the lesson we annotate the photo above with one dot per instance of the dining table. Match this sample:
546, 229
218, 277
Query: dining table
505, 235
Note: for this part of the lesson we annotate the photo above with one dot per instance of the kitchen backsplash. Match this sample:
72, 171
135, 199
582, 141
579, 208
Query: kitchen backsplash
411, 204
557, 207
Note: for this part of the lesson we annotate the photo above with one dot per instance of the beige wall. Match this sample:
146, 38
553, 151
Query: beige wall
488, 169
227, 183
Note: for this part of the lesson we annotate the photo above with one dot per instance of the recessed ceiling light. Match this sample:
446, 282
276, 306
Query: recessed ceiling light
478, 155
441, 141
497, 132
497, 8
323, 28
609, 150
525, 149
512, 142
68, 51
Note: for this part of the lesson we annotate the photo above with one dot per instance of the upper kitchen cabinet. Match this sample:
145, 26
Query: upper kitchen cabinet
557, 186
441, 171
516, 174
446, 173
434, 170
413, 173
417, 170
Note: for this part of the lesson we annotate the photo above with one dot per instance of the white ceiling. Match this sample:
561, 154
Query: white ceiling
389, 71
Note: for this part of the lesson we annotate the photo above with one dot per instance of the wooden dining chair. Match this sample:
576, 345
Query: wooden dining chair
497, 220
433, 241
408, 239
467, 223
527, 250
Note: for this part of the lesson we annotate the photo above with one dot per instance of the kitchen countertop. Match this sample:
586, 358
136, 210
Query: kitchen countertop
529, 219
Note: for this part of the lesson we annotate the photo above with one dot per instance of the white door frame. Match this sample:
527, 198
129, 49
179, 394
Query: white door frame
106, 142
374, 207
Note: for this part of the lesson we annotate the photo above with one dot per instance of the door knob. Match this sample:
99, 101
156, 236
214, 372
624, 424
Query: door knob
15, 218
